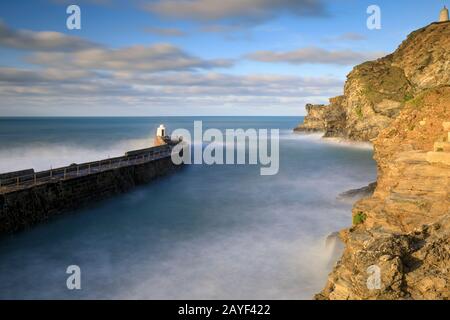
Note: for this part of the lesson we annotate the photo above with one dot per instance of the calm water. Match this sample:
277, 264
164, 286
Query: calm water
205, 232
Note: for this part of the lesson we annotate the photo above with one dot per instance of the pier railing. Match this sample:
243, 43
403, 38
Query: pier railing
84, 169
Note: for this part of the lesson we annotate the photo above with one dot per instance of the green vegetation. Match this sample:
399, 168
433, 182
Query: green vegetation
373, 95
359, 113
359, 218
417, 102
385, 82
393, 79
408, 97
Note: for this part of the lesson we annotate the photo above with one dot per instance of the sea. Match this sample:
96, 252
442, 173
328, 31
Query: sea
203, 232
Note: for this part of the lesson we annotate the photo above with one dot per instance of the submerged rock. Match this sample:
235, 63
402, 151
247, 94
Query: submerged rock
357, 194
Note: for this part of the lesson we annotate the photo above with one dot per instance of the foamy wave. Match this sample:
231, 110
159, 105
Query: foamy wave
349, 143
318, 138
313, 137
45, 156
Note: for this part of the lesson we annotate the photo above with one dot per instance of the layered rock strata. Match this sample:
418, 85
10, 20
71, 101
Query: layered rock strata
401, 234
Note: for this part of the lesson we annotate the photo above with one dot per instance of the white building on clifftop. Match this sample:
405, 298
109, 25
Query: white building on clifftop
443, 16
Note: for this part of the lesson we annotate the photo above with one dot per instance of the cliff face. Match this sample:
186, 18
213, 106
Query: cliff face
377, 91
399, 244
403, 230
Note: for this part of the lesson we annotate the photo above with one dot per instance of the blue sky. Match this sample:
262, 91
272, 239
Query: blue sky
190, 57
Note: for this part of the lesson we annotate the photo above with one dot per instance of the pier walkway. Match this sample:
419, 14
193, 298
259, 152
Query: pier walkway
12, 182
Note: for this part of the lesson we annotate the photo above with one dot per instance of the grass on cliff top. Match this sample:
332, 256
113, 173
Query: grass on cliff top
384, 81
418, 101
359, 113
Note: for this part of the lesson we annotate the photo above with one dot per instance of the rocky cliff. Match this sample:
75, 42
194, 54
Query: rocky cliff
399, 244
316, 118
376, 91
402, 232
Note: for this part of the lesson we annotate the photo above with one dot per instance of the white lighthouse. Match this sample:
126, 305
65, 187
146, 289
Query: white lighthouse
161, 131
160, 135
443, 16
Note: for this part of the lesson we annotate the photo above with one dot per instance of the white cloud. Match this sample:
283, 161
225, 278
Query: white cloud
315, 55
23, 76
249, 10
169, 32
153, 93
140, 80
346, 37
94, 2
158, 57
57, 50
41, 40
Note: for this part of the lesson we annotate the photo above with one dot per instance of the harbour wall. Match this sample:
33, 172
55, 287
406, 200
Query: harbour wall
24, 206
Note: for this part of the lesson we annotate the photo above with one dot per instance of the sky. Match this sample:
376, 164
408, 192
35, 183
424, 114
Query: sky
191, 57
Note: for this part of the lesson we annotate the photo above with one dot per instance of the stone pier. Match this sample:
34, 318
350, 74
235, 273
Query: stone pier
37, 196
